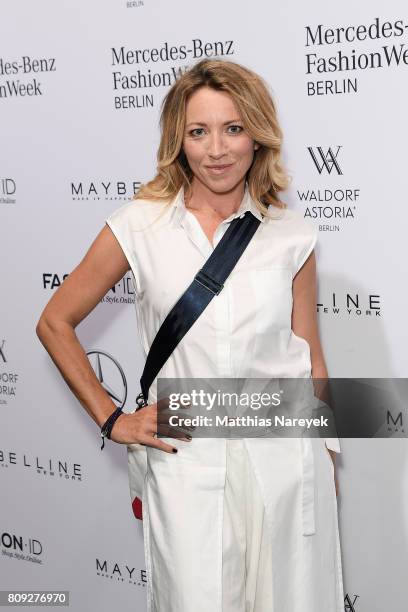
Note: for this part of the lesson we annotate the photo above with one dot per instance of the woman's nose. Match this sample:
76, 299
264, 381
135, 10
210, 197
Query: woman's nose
216, 145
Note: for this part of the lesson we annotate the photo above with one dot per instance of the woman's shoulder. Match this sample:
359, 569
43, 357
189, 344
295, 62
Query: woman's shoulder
292, 220
137, 211
298, 235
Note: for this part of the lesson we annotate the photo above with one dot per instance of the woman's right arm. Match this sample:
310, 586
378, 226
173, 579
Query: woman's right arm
103, 265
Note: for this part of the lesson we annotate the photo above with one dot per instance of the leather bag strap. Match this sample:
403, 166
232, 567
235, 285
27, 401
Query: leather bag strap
207, 283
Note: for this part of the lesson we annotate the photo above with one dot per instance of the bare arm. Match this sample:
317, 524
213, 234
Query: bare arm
304, 318
102, 267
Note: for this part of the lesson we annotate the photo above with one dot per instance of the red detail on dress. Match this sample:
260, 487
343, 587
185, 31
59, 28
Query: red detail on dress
137, 508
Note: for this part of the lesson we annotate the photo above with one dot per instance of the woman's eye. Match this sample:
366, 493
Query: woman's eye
236, 131
193, 132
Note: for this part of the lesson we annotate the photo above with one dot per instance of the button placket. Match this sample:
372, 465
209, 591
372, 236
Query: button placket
222, 305
222, 317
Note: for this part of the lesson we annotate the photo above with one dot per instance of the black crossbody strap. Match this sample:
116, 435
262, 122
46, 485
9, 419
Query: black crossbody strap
207, 283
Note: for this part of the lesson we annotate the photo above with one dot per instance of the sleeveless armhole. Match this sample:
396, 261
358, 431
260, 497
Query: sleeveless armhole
307, 239
119, 223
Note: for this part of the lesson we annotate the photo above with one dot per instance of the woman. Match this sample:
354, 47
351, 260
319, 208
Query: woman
229, 525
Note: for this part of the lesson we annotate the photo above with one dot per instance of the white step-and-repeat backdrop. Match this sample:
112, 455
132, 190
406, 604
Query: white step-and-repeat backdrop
80, 88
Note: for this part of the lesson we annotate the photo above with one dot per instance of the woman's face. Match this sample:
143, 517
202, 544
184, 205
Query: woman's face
216, 146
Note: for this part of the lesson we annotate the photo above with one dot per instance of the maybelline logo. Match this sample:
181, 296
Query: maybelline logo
395, 423
352, 304
23, 66
104, 190
46, 466
20, 547
7, 190
121, 573
121, 293
8, 380
161, 76
350, 603
110, 374
327, 204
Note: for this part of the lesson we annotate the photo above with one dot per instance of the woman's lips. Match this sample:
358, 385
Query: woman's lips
219, 169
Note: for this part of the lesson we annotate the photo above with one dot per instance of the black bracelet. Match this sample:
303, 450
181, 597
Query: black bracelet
107, 426
140, 401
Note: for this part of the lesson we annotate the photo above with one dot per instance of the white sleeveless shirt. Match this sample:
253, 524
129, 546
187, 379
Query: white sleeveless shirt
245, 331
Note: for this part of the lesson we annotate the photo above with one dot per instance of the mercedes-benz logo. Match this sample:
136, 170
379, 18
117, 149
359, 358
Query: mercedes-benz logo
110, 374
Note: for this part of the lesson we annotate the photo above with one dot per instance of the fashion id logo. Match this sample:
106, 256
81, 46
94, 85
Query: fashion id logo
8, 189
21, 547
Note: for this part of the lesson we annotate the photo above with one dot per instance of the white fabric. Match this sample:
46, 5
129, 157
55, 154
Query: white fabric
245, 332
197, 509
253, 545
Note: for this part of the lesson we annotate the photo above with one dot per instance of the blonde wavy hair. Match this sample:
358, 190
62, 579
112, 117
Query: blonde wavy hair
266, 177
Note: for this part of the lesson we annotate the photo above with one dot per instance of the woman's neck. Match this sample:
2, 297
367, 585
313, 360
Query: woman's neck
202, 200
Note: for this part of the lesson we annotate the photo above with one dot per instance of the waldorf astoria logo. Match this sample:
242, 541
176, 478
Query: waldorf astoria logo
325, 159
8, 378
3, 352
350, 602
330, 204
121, 572
104, 189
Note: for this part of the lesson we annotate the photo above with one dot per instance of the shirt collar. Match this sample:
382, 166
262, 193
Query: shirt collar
247, 204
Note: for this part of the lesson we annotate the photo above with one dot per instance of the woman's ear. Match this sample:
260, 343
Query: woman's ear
256, 146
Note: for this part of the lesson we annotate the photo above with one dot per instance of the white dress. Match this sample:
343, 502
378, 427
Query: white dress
245, 332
